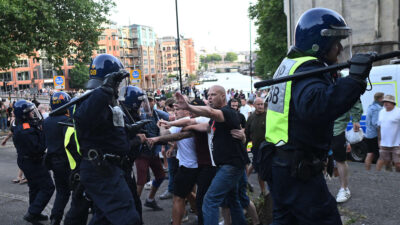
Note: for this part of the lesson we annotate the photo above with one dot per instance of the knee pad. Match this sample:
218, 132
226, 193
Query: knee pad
157, 182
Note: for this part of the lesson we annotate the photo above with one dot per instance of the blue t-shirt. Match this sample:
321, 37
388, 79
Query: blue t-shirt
372, 120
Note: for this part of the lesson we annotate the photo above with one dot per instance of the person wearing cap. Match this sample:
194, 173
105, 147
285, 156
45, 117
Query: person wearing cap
371, 133
389, 134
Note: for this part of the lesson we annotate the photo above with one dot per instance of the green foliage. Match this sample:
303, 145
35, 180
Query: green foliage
62, 28
79, 75
271, 22
231, 56
210, 58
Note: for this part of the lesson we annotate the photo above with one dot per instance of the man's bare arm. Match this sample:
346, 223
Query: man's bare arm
206, 111
179, 123
201, 127
169, 137
175, 137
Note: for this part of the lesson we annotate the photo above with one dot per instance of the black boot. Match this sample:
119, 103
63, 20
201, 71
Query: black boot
35, 217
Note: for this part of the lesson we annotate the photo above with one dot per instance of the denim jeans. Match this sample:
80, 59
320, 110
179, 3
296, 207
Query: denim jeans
224, 185
3, 123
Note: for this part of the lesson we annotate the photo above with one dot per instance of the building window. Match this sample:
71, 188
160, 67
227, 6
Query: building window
35, 75
146, 71
152, 70
109, 38
144, 53
163, 48
102, 51
151, 52
47, 74
169, 56
152, 62
5, 76
169, 63
102, 38
168, 48
22, 63
145, 62
114, 48
23, 86
23, 75
109, 48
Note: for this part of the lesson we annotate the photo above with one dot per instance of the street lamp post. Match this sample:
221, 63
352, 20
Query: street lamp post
250, 58
179, 47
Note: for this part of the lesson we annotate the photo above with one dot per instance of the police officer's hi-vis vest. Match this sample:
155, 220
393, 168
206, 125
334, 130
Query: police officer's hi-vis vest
72, 147
277, 121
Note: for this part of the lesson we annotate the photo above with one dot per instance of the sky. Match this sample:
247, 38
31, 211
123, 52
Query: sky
214, 25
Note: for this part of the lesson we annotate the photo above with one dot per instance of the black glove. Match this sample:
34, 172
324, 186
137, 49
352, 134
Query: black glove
112, 81
360, 66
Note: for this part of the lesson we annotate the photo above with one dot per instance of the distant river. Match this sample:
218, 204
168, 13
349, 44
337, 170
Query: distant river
234, 80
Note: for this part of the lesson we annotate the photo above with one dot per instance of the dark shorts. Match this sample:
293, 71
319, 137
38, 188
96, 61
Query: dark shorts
184, 181
142, 165
372, 145
338, 146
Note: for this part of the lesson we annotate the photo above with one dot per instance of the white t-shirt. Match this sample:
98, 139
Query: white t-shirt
210, 135
245, 110
186, 149
390, 127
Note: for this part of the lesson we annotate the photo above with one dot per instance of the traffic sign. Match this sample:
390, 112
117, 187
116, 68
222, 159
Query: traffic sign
135, 76
59, 82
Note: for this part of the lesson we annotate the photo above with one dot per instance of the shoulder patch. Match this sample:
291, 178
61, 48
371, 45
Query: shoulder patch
26, 126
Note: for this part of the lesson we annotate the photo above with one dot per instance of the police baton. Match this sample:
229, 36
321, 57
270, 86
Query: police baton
319, 71
83, 97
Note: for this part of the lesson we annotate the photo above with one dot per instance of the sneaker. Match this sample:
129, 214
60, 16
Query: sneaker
153, 205
166, 195
185, 218
147, 186
343, 195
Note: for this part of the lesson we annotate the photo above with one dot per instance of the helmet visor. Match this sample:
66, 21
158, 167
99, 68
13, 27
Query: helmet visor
34, 114
145, 106
342, 47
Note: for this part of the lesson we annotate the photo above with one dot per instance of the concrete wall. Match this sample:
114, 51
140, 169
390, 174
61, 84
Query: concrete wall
374, 22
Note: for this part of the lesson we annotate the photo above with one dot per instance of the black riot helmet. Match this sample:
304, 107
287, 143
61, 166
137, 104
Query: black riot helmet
100, 66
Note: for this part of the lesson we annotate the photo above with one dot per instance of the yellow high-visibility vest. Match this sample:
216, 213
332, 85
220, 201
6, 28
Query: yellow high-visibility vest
277, 121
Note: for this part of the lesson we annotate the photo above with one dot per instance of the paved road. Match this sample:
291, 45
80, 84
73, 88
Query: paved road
375, 198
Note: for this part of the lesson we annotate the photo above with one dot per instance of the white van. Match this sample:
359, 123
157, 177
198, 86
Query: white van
384, 79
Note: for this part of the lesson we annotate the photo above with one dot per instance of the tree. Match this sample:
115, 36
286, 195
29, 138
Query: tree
271, 22
213, 58
79, 75
231, 56
59, 28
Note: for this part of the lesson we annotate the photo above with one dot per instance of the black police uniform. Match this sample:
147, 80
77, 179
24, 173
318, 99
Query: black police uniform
30, 144
302, 196
57, 161
99, 126
80, 203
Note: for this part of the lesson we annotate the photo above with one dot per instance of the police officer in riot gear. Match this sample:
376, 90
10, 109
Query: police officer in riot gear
30, 144
103, 141
56, 158
301, 114
133, 102
80, 203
